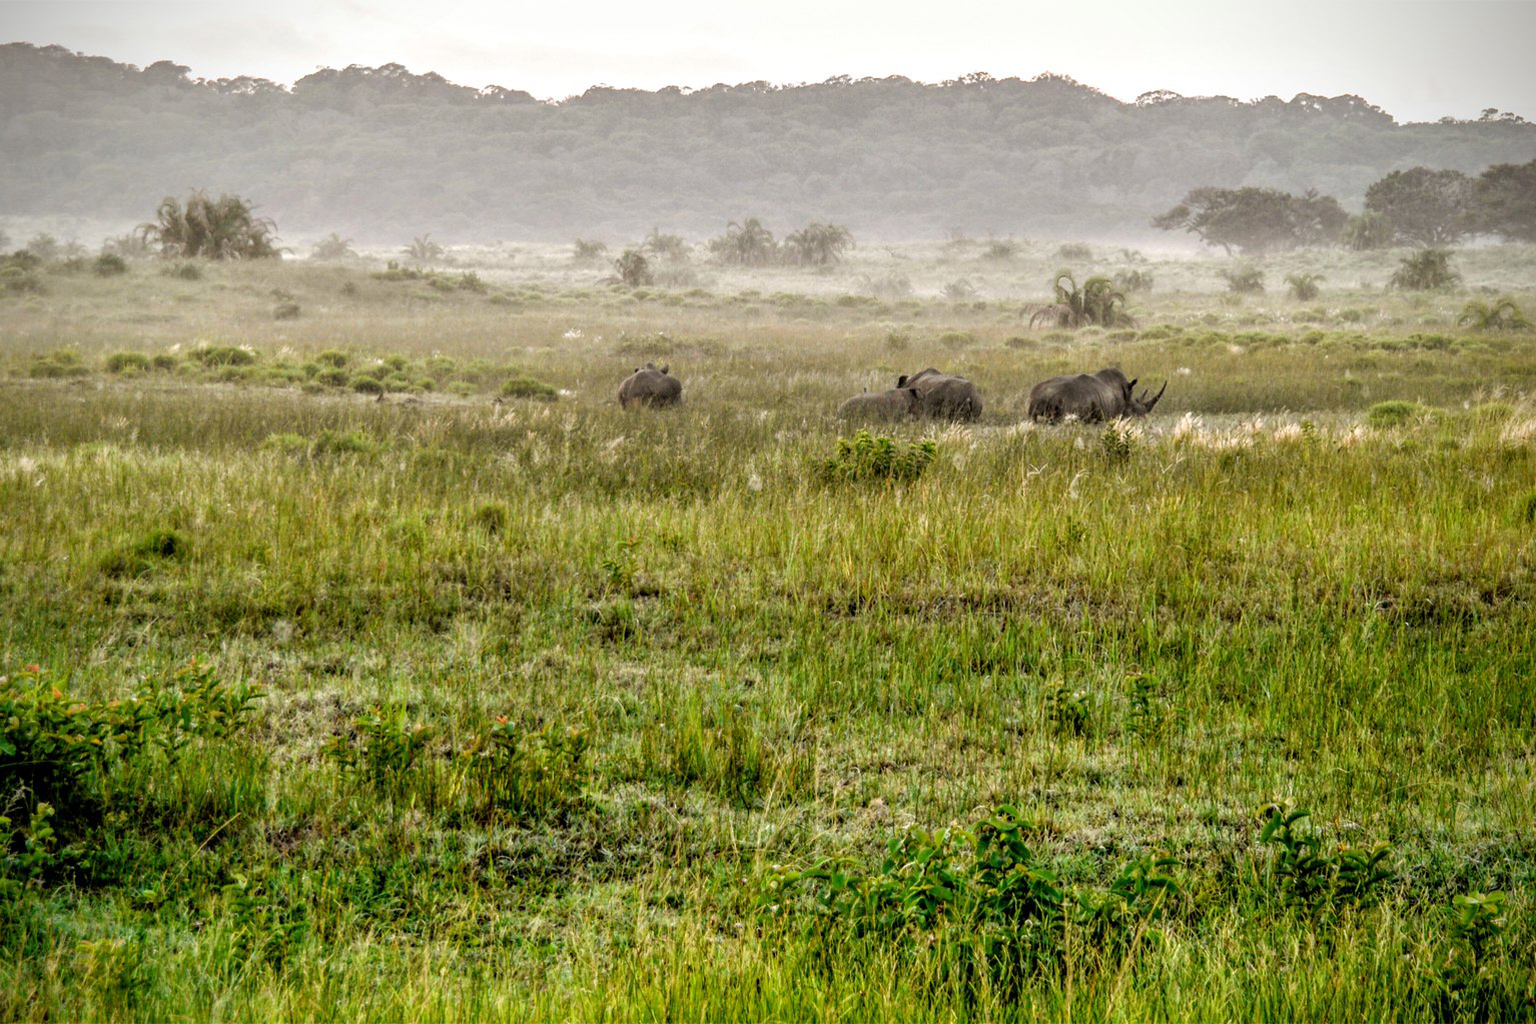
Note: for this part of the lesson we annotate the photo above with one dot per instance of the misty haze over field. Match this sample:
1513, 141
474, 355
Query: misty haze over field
383, 153
355, 118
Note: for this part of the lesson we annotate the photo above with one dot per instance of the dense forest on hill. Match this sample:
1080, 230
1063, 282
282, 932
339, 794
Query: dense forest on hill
383, 153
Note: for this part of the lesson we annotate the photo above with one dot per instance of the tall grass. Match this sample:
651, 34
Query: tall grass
550, 694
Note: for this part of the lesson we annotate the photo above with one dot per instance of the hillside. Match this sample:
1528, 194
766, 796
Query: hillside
381, 153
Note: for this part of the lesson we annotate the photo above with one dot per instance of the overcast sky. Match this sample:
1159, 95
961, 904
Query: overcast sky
1419, 61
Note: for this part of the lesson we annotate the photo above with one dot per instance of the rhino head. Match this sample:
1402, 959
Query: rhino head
1135, 406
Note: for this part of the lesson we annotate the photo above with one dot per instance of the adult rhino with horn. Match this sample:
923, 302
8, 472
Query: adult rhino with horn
1090, 397
942, 395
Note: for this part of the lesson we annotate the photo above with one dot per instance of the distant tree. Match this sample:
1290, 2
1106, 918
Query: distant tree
423, 250
5, 240
1499, 315
748, 244
333, 247
1366, 231
44, 246
1303, 287
1254, 220
634, 269
219, 229
817, 245
1425, 270
1504, 201
1316, 220
960, 290
1096, 302
126, 247
1429, 208
1000, 249
1244, 280
1133, 280
672, 248
589, 251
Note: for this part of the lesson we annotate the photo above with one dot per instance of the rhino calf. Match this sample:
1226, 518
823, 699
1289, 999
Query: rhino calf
943, 395
650, 386
895, 404
1089, 397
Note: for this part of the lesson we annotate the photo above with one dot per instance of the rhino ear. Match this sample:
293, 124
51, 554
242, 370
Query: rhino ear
1132, 384
664, 369
901, 381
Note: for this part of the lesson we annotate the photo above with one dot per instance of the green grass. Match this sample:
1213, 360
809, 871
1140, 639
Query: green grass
561, 712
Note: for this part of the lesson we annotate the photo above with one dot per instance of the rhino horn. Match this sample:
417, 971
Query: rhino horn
1153, 401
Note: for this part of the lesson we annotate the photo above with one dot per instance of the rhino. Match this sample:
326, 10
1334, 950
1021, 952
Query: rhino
943, 396
1090, 397
895, 404
650, 386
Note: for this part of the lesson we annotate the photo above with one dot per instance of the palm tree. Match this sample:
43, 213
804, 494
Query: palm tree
634, 269
1304, 286
422, 249
222, 228
749, 244
333, 247
817, 244
1096, 302
673, 248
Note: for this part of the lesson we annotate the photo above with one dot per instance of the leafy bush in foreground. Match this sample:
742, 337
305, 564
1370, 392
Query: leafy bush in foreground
978, 899
867, 457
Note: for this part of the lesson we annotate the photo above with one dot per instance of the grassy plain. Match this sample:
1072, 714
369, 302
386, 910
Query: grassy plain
565, 712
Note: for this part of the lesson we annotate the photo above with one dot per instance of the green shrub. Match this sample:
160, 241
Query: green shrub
1244, 280
289, 443
127, 362
1384, 415
518, 386
63, 363
524, 774
1425, 270
1074, 251
59, 750
366, 385
1321, 880
1500, 315
222, 355
19, 280
286, 311
973, 900
333, 357
334, 377
336, 442
165, 361
109, 265
186, 270
1303, 287
383, 749
866, 457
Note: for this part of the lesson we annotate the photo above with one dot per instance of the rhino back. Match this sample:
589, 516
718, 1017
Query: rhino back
650, 387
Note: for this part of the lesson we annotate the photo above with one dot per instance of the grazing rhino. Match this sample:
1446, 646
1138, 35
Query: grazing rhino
943, 396
1091, 398
895, 404
650, 386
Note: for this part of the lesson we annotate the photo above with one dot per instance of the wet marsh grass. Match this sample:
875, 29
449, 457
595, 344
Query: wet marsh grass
1296, 591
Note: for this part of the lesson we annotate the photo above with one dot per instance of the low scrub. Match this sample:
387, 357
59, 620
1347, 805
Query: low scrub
866, 457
